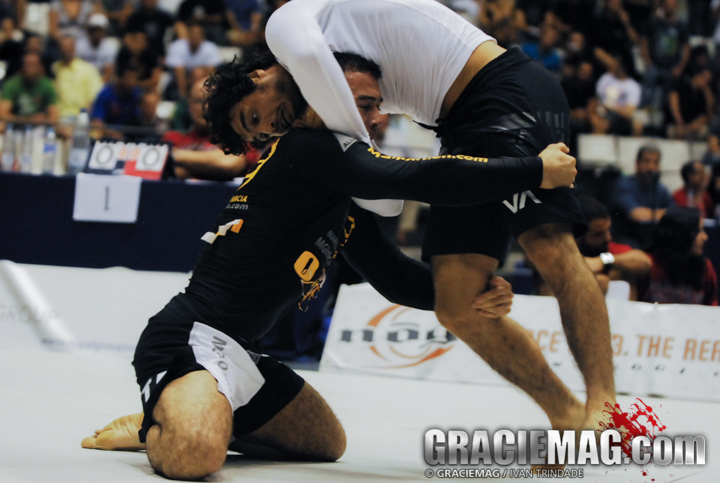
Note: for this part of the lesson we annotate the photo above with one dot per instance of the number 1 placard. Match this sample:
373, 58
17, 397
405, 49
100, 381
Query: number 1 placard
109, 199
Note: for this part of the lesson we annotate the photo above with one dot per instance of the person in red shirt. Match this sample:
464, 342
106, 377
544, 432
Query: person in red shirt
694, 194
680, 273
193, 154
609, 260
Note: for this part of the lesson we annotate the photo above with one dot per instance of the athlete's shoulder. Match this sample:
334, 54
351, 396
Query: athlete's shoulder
312, 139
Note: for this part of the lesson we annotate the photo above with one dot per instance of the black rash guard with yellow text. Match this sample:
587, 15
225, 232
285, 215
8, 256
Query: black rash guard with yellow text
287, 221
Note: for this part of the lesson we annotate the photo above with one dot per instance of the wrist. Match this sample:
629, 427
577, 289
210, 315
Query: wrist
607, 259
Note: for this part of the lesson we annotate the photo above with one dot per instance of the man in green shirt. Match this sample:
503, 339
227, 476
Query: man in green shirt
29, 96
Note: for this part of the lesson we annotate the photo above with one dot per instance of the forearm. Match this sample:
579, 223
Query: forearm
377, 258
181, 78
213, 164
674, 101
297, 41
634, 262
445, 180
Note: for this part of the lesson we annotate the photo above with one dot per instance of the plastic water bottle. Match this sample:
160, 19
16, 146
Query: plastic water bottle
49, 151
27, 149
8, 154
80, 150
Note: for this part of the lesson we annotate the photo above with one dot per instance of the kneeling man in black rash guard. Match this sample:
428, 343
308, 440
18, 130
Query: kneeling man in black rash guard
204, 387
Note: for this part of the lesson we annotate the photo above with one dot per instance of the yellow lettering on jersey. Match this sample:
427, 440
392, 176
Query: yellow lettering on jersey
397, 158
306, 265
260, 164
239, 199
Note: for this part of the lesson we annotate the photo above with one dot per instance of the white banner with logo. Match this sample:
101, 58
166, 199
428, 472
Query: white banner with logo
669, 350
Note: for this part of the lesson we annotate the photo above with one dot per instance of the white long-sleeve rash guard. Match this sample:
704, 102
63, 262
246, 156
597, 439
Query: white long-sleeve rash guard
420, 45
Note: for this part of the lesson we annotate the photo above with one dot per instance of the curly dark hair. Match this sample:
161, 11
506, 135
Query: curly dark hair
226, 87
672, 246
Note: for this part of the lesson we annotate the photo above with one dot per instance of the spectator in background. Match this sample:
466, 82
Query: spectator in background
77, 82
118, 103
665, 52
29, 96
579, 86
641, 198
545, 50
11, 51
694, 192
187, 54
245, 20
569, 15
69, 17
612, 31
136, 53
211, 14
152, 126
680, 273
35, 44
182, 119
117, 13
154, 22
609, 260
691, 100
619, 97
96, 48
193, 154
504, 21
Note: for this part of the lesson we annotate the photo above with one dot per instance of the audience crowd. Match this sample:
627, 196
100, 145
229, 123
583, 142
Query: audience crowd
628, 67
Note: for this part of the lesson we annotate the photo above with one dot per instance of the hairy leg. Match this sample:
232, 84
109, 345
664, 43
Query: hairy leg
501, 342
583, 311
305, 429
193, 425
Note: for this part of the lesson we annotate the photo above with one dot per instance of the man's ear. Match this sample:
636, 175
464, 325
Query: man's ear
257, 74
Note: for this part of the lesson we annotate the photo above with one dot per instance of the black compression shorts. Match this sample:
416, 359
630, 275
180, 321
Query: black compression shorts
171, 346
512, 107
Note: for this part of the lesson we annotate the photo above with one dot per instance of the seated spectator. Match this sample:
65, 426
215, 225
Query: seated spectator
694, 194
193, 154
96, 49
69, 17
579, 88
150, 126
118, 104
35, 44
117, 13
611, 30
504, 21
691, 100
187, 54
245, 20
77, 82
609, 260
665, 52
714, 188
136, 52
545, 51
154, 22
619, 97
641, 198
680, 273
211, 14
11, 51
29, 96
182, 119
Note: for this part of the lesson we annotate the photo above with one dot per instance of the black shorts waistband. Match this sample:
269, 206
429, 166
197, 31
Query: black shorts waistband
508, 58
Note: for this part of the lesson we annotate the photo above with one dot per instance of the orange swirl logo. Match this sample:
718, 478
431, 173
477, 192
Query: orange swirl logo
399, 342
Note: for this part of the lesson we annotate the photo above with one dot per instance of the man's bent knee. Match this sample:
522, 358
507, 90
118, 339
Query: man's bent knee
185, 456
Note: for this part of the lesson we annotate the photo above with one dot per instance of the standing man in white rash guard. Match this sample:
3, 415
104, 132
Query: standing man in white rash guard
482, 100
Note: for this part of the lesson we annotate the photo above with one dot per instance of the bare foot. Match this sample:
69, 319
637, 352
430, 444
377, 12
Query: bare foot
120, 435
573, 421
